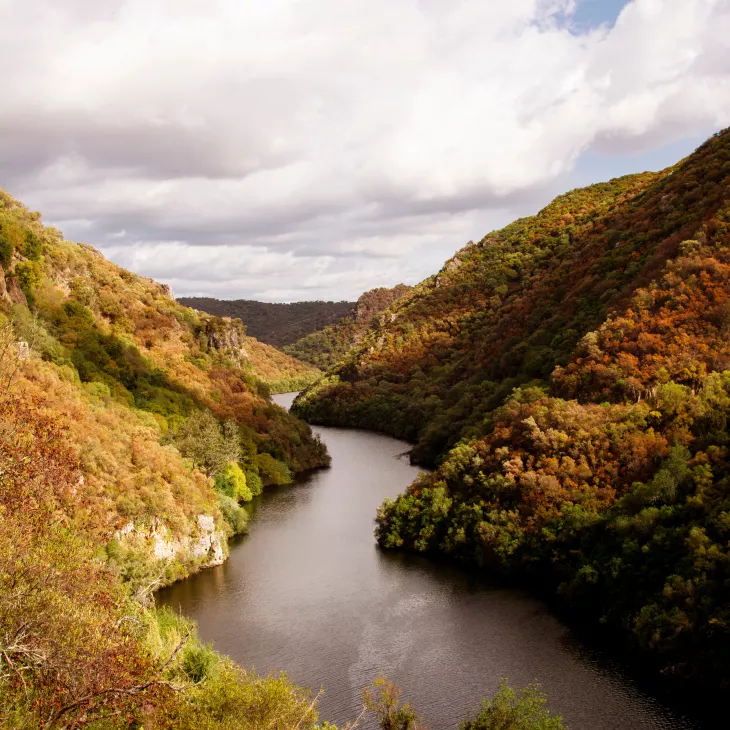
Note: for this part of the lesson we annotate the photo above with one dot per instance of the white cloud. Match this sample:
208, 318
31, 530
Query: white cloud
275, 147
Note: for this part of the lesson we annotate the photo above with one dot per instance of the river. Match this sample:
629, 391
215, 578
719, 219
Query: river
309, 592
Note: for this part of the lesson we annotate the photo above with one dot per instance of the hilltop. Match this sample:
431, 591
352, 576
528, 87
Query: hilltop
569, 378
325, 347
273, 323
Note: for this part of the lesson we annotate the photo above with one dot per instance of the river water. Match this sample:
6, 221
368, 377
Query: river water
308, 591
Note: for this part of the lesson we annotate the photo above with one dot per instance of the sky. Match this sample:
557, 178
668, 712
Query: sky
287, 150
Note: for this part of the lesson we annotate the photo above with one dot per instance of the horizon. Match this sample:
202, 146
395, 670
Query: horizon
279, 153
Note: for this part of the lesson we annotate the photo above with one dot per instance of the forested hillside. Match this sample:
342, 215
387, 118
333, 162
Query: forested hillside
273, 323
281, 373
131, 430
159, 398
325, 347
570, 377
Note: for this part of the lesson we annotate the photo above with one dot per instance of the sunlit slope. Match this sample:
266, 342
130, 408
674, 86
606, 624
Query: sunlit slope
325, 347
570, 375
131, 367
510, 308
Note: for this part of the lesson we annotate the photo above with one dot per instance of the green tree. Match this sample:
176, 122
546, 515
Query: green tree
384, 700
232, 482
6, 251
524, 709
210, 447
273, 471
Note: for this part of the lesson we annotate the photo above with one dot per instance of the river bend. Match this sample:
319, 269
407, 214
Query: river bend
309, 592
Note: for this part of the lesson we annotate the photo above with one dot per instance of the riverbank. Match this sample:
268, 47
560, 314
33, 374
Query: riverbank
309, 592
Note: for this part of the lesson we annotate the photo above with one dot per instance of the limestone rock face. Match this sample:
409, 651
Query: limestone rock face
164, 548
204, 546
206, 523
209, 542
227, 335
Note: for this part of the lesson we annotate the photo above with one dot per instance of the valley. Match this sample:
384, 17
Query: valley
308, 591
566, 382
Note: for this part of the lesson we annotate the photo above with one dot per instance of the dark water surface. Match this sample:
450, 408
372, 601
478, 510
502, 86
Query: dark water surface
308, 591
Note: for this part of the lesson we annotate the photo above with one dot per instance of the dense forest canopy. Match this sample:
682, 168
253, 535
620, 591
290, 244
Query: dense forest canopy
569, 377
325, 347
273, 323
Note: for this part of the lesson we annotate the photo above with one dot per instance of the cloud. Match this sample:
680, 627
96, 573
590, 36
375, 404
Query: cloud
290, 149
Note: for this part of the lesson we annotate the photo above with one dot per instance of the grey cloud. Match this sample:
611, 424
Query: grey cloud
333, 146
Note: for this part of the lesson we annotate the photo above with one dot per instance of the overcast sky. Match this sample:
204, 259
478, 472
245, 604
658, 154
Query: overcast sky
311, 149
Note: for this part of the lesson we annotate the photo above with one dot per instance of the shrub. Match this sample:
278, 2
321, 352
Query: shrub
197, 661
232, 482
525, 709
273, 471
201, 439
6, 251
384, 700
233, 514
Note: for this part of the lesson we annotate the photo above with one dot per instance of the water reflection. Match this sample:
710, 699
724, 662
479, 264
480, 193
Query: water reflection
309, 592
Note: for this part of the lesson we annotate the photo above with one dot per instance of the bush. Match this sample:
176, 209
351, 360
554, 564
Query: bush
524, 709
233, 514
6, 251
232, 482
32, 246
197, 661
273, 471
254, 482
384, 700
201, 439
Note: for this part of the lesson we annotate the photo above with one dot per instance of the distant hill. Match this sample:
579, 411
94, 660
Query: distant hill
274, 324
325, 347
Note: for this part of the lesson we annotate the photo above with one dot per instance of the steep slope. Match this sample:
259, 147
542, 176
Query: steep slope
131, 430
81, 644
273, 323
508, 309
326, 347
137, 373
582, 357
281, 372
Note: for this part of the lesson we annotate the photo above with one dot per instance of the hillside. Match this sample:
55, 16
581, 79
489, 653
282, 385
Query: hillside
134, 369
131, 430
324, 348
275, 324
281, 372
569, 377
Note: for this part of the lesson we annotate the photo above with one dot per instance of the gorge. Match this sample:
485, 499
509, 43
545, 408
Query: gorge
308, 591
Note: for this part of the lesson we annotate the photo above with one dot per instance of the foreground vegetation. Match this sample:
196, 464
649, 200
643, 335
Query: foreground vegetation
525, 709
569, 377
